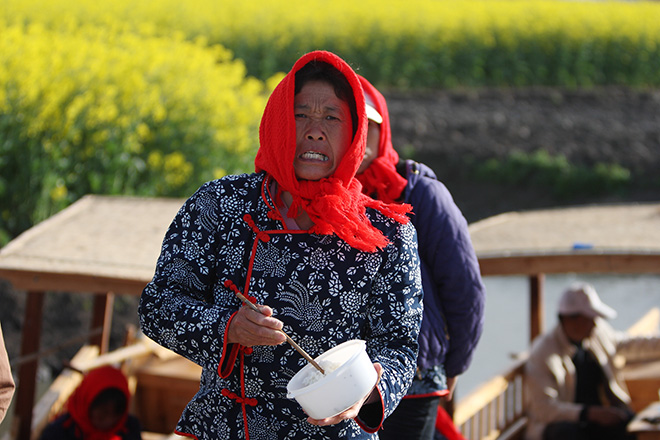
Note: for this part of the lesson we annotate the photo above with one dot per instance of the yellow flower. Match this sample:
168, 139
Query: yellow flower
155, 160
59, 192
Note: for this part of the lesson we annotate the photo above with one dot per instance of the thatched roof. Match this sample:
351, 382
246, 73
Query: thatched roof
605, 238
107, 242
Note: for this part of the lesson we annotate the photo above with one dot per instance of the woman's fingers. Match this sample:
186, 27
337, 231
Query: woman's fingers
249, 328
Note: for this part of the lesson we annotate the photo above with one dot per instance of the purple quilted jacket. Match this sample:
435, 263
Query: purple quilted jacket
454, 294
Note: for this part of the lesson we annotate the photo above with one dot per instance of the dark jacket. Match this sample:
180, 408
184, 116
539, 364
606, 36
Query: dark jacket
65, 428
454, 294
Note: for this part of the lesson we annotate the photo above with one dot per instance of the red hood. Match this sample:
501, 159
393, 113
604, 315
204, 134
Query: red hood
381, 178
94, 382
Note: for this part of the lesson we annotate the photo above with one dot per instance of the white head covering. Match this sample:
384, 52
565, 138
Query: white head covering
372, 113
582, 299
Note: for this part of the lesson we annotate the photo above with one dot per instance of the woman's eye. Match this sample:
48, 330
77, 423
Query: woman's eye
299, 115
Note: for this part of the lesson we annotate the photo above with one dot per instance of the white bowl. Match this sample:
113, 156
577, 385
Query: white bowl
338, 390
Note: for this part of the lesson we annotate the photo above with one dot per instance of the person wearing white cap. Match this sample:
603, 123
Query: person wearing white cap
573, 388
454, 293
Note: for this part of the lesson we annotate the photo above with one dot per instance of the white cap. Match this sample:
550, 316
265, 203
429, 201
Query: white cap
372, 113
582, 299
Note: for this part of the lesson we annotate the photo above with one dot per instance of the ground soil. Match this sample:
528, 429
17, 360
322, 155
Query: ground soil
448, 131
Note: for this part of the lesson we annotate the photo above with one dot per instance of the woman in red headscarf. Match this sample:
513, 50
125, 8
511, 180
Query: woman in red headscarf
97, 410
325, 263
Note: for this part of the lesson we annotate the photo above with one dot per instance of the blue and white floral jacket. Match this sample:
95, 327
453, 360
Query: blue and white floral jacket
229, 234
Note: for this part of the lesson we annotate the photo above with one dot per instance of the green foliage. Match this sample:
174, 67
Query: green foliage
556, 173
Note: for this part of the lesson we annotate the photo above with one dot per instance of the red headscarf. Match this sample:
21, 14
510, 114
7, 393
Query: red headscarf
95, 381
335, 204
381, 178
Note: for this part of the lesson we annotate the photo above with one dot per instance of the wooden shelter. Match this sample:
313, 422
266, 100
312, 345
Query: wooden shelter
612, 239
100, 246
105, 246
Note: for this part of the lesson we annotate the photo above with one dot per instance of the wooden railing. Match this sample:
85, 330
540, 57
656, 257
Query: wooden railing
496, 409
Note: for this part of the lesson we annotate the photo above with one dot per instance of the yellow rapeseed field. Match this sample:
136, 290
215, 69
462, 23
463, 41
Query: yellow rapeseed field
91, 108
408, 44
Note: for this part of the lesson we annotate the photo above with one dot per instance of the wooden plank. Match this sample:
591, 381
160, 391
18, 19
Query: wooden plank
647, 324
643, 390
489, 391
143, 347
146, 435
163, 390
475, 401
638, 425
515, 431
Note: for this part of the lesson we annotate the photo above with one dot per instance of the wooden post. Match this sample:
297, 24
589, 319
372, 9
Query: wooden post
102, 318
536, 311
27, 372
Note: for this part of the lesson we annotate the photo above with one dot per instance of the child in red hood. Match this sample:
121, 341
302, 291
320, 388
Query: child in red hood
97, 410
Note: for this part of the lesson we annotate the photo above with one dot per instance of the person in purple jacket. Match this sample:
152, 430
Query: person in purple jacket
454, 294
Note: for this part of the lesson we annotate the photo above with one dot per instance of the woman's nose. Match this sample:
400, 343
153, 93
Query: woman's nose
315, 131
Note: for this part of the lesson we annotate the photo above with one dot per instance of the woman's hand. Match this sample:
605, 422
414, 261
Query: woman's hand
249, 328
451, 386
607, 416
353, 411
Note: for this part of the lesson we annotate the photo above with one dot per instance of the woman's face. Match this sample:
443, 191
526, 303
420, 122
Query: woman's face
104, 416
323, 131
371, 151
578, 327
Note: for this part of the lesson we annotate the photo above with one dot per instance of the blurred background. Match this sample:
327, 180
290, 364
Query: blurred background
515, 104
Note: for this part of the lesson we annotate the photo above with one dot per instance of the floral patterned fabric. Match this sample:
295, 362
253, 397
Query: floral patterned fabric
229, 233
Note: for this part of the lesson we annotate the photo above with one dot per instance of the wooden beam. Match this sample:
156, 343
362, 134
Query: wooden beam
536, 308
102, 318
568, 263
27, 372
71, 282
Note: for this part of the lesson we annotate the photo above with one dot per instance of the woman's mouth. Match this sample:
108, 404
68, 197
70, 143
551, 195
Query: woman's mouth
313, 155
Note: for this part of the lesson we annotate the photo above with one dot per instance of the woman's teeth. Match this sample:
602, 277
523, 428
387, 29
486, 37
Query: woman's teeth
314, 156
